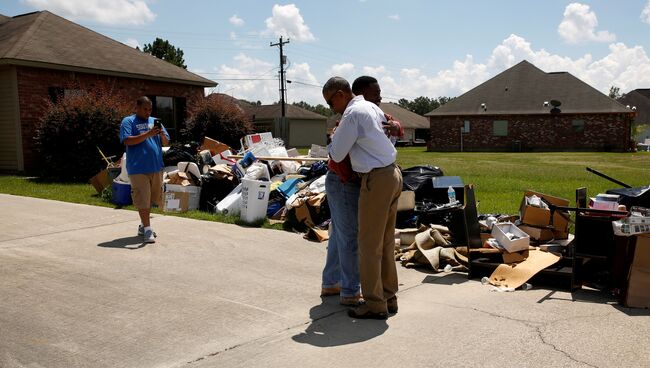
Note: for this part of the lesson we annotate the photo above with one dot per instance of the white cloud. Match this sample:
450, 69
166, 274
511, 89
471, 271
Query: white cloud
394, 17
112, 12
645, 14
579, 25
287, 21
344, 70
132, 42
236, 21
246, 67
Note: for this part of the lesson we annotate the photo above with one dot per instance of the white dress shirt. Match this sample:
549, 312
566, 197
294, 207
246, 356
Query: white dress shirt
361, 135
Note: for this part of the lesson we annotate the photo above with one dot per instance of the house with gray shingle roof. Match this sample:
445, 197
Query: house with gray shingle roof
527, 109
302, 127
44, 56
639, 100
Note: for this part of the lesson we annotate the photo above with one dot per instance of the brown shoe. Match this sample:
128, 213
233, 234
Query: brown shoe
330, 291
352, 301
364, 313
391, 305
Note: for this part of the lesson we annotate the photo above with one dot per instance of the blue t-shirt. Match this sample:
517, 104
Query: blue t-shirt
144, 157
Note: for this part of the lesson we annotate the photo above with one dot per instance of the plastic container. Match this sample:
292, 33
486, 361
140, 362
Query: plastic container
451, 194
121, 193
254, 200
231, 204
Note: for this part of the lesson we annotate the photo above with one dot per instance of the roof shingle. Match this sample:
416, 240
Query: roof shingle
523, 89
47, 40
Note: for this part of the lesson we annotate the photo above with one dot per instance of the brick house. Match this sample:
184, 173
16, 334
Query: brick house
43, 56
639, 100
518, 110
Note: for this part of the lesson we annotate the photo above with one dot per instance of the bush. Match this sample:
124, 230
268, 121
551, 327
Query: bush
217, 117
71, 129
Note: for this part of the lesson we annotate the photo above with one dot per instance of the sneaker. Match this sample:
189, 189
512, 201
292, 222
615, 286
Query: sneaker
140, 230
149, 236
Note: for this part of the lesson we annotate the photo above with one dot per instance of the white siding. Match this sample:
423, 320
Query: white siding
10, 138
304, 133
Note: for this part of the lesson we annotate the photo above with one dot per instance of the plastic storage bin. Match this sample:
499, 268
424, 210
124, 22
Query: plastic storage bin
254, 200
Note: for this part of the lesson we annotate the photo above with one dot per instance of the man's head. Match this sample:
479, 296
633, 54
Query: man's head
368, 87
337, 93
143, 107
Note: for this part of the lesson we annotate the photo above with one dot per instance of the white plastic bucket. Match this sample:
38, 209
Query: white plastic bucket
254, 200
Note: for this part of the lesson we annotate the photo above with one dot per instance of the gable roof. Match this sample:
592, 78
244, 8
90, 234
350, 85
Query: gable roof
43, 39
640, 98
270, 112
523, 89
407, 118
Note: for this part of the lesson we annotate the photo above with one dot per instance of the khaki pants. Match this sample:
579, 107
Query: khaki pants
380, 190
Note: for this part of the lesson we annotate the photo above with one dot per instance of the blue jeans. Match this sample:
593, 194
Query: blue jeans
342, 264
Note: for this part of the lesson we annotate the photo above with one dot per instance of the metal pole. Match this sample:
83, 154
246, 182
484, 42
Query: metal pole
461, 138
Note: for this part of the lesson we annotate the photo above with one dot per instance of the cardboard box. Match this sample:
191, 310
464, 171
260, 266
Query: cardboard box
214, 146
537, 233
638, 288
510, 245
178, 198
100, 181
539, 217
515, 257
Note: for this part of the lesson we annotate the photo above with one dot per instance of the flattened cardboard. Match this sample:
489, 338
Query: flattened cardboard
638, 288
100, 181
214, 146
516, 274
540, 217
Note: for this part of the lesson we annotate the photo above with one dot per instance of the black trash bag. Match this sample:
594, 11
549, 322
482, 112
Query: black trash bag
176, 154
418, 179
214, 189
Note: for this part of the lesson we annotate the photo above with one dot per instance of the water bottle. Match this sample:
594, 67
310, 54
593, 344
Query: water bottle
451, 193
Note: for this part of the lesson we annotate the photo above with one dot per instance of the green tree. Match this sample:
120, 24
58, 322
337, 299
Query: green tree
614, 92
164, 50
422, 105
319, 109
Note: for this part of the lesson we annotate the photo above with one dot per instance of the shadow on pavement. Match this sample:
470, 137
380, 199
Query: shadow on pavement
330, 326
131, 242
450, 279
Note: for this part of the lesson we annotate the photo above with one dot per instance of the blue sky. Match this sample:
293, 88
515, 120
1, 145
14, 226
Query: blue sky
414, 47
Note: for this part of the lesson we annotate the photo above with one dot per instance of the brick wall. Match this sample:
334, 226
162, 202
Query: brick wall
33, 91
602, 132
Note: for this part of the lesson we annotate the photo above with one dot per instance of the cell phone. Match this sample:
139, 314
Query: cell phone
157, 123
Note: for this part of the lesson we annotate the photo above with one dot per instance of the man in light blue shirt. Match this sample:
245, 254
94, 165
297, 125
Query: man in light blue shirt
144, 139
360, 134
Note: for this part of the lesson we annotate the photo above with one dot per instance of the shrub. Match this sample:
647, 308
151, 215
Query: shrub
217, 117
71, 129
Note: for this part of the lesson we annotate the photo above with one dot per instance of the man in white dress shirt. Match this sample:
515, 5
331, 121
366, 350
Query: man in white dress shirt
372, 155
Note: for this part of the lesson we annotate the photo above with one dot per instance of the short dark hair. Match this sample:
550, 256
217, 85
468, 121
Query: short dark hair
336, 83
143, 100
360, 84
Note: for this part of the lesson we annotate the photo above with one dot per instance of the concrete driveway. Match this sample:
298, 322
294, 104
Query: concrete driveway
77, 289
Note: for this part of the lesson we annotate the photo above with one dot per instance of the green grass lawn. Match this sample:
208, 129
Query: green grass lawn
499, 178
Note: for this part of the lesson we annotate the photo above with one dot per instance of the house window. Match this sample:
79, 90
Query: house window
500, 128
171, 110
578, 126
466, 126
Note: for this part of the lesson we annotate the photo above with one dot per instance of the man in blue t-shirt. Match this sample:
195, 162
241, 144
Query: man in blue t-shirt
144, 139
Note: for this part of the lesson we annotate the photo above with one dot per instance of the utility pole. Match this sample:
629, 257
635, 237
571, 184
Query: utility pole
283, 61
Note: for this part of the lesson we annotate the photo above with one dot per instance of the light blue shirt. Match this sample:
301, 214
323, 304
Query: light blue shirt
360, 134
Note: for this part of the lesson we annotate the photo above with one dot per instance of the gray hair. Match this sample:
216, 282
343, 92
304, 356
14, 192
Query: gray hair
336, 83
